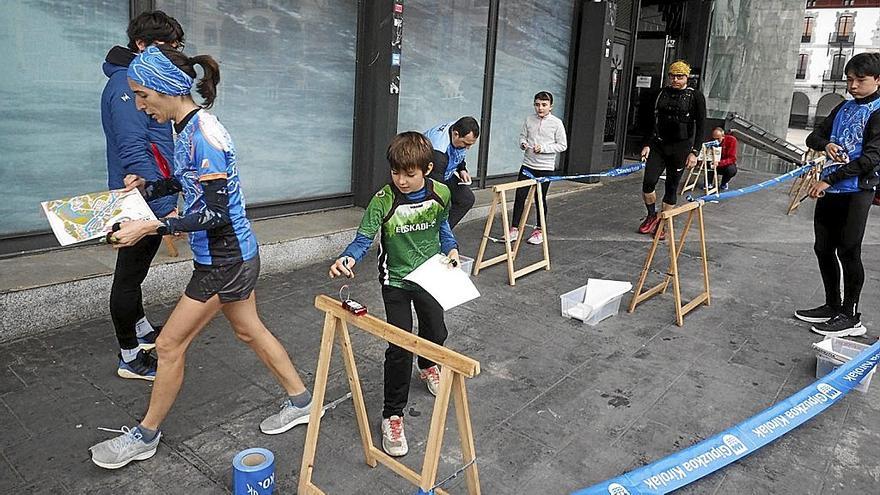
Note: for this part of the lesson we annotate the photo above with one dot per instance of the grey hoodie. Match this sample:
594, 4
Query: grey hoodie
549, 133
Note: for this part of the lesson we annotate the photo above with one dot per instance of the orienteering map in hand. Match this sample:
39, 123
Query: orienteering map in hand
91, 216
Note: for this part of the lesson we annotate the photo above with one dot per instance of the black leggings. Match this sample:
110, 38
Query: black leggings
523, 192
126, 301
398, 361
671, 158
839, 223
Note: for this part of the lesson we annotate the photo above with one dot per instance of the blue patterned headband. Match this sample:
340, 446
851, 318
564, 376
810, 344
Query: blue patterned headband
153, 70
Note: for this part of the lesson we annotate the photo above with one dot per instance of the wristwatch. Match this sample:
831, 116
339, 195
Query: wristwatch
162, 229
695, 152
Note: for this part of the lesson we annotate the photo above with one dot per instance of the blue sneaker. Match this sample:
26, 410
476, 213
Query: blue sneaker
148, 341
142, 367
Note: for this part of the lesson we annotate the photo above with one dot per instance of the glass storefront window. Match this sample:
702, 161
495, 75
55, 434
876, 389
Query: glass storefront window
287, 88
532, 56
50, 119
443, 54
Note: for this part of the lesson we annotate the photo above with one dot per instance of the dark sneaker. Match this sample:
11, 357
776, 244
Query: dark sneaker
725, 187
148, 341
649, 224
816, 315
119, 451
841, 326
142, 367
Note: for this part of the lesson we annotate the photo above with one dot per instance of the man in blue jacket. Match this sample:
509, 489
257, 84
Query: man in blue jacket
451, 142
136, 144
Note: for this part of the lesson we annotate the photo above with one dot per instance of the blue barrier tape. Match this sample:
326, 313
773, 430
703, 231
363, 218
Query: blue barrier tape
691, 464
754, 187
614, 172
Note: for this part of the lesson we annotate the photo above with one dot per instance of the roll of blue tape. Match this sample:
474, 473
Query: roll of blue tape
253, 472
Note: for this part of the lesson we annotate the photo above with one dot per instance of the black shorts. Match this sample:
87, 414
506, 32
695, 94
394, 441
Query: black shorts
232, 283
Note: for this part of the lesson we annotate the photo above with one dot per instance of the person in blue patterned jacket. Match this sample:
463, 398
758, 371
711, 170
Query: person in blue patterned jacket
850, 138
225, 251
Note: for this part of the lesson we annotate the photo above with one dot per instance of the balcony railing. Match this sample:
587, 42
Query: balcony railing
800, 75
833, 75
806, 38
842, 39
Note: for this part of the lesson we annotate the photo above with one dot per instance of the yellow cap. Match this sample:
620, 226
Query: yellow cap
680, 68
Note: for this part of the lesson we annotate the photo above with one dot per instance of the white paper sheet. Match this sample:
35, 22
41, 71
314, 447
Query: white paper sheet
600, 291
449, 286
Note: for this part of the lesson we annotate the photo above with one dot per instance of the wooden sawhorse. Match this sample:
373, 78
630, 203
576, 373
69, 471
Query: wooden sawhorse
454, 368
801, 186
667, 223
707, 162
510, 251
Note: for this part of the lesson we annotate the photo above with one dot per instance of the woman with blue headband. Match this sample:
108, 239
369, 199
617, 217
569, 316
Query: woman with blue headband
225, 251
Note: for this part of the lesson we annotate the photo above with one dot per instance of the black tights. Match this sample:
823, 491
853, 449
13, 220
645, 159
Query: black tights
669, 157
126, 301
839, 223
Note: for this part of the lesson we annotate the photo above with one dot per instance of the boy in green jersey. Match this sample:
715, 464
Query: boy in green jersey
411, 213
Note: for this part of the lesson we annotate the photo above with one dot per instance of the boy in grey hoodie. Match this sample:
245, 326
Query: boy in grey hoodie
541, 138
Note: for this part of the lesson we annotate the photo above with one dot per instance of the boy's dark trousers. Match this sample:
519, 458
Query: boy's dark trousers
839, 224
126, 300
398, 361
522, 193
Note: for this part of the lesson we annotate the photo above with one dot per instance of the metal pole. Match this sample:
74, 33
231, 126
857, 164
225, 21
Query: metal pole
488, 89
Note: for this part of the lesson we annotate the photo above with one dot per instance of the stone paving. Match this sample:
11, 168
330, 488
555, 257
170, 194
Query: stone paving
558, 405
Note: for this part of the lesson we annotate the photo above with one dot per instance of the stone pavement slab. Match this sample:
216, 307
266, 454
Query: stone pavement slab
558, 405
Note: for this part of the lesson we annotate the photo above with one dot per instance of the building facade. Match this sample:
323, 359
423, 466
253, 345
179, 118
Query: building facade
312, 90
833, 31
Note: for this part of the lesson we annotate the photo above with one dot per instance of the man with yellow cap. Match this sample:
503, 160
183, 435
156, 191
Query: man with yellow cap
674, 141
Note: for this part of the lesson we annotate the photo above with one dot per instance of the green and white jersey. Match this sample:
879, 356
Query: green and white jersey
410, 230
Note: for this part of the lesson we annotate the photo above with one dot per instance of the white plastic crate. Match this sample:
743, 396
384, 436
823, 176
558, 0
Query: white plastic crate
466, 265
596, 308
833, 352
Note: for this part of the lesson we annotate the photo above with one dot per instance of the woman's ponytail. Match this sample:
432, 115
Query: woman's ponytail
207, 85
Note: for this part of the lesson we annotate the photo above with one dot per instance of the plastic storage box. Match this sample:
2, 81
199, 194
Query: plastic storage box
467, 264
832, 352
595, 309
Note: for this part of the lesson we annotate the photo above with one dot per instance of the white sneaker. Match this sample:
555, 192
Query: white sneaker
513, 234
431, 377
536, 238
393, 437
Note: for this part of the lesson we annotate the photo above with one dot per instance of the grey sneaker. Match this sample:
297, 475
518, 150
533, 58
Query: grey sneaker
393, 437
119, 451
288, 417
